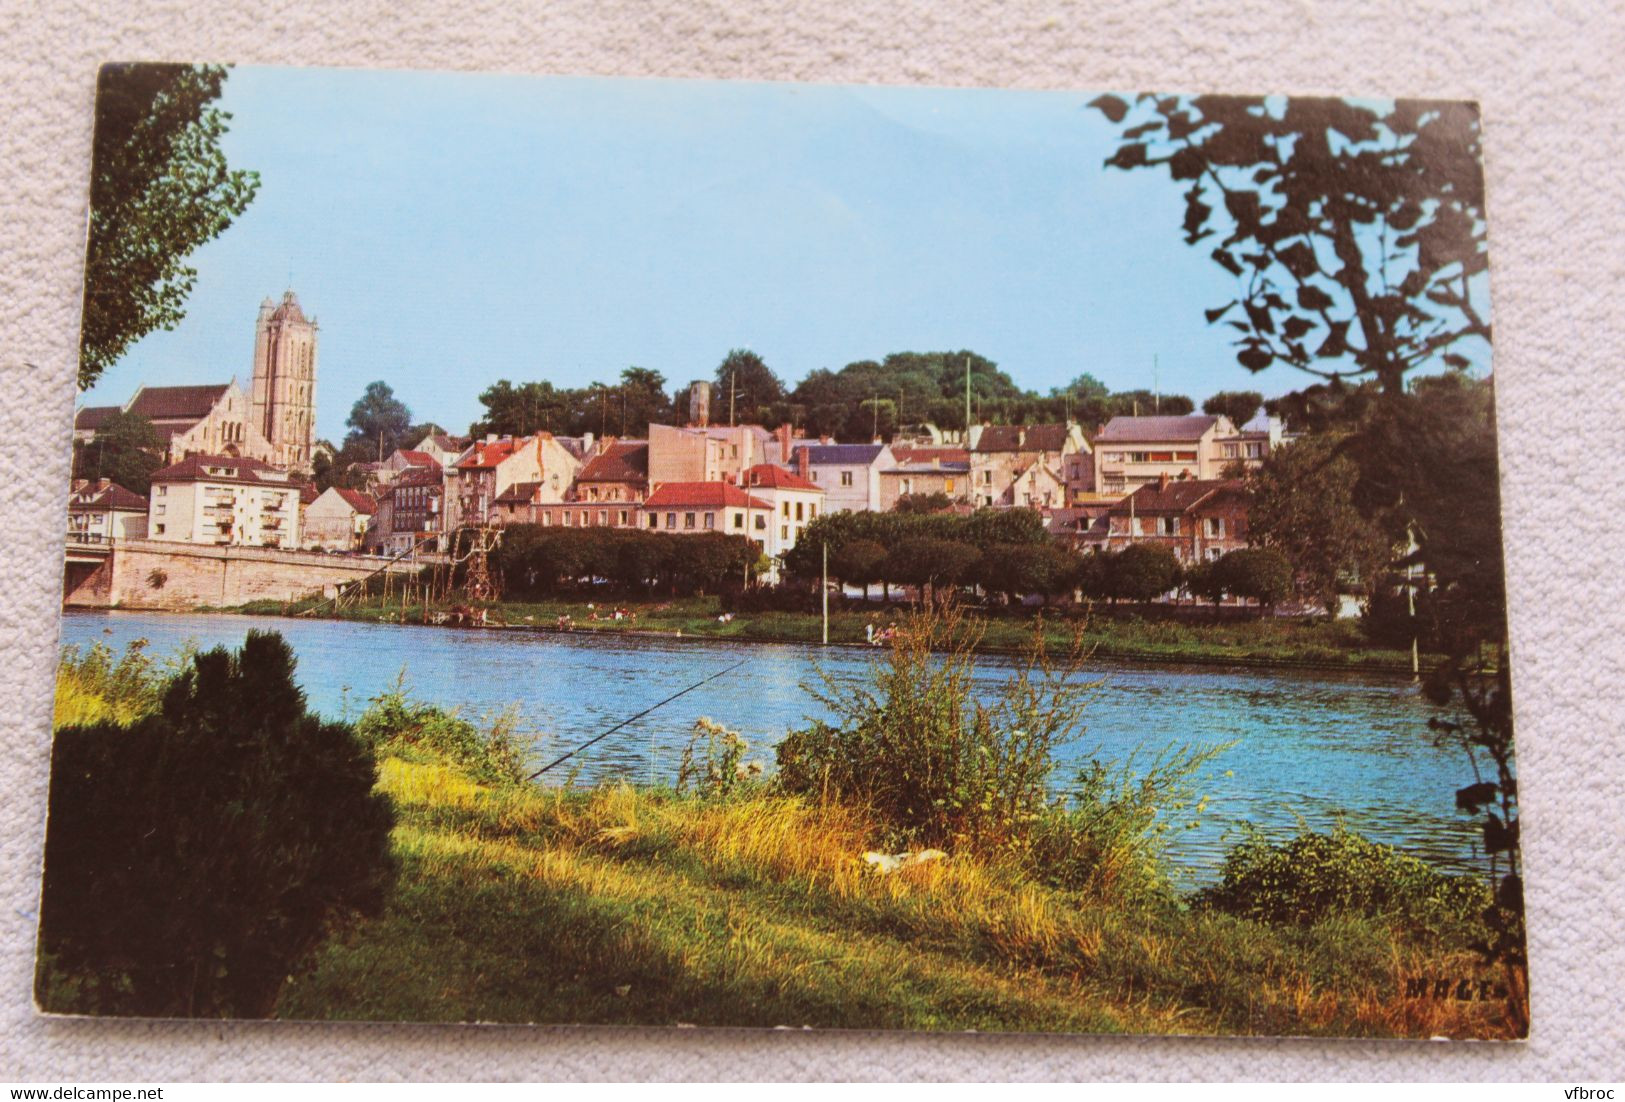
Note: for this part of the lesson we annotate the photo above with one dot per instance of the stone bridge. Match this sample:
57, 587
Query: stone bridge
161, 574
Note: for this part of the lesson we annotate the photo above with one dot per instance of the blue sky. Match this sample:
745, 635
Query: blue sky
449, 230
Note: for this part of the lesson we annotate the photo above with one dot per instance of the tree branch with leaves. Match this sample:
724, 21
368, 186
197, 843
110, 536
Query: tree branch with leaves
1355, 231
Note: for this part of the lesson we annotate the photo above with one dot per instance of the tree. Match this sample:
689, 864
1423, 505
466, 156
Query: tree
232, 825
1143, 571
1303, 506
1240, 406
126, 449
643, 401
160, 187
859, 562
936, 502
1355, 232
1261, 574
379, 422
746, 382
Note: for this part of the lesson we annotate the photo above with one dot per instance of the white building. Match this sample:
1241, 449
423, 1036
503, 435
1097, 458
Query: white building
337, 520
849, 474
226, 500
101, 511
794, 501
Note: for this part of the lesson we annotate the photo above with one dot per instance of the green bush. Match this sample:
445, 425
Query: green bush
1317, 876
1107, 836
193, 858
936, 765
395, 724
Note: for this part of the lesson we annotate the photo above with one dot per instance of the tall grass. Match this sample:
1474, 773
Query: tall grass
95, 686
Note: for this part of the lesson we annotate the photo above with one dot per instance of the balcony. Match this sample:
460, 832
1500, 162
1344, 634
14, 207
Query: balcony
87, 537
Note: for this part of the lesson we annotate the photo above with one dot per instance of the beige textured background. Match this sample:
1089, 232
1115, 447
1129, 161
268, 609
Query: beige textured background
1548, 75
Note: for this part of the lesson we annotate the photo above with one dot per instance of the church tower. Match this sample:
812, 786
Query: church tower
284, 392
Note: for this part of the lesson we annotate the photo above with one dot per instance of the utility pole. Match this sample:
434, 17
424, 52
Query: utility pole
824, 591
967, 401
874, 418
733, 388
1156, 384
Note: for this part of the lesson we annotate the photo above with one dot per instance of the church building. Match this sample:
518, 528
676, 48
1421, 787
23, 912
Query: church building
274, 422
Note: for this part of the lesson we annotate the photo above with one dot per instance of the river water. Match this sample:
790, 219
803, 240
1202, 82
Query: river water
1311, 747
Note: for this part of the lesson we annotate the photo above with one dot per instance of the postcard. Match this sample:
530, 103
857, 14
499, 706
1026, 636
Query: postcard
695, 553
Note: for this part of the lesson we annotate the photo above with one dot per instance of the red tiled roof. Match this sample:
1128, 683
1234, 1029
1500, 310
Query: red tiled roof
622, 461
489, 455
1151, 430
925, 455
520, 493
360, 502
419, 476
419, 459
771, 477
92, 418
252, 471
104, 494
1021, 438
157, 403
704, 495
1176, 497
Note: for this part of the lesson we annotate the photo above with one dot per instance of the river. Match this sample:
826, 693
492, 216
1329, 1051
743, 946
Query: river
1311, 747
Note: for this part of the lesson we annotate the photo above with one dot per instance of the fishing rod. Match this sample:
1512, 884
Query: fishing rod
632, 719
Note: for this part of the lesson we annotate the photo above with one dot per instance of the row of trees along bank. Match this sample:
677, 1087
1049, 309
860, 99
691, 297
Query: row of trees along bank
1001, 552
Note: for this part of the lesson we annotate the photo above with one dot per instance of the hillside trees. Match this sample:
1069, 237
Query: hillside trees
159, 188
125, 449
378, 423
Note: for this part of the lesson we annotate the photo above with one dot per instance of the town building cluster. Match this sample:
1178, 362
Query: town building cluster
237, 464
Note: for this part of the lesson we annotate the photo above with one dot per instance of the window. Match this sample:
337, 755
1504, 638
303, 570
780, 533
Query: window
947, 485
846, 478
761, 523
1215, 527
710, 521
1232, 451
812, 510
160, 529
739, 520
688, 520
654, 520
159, 509
547, 519
786, 509
800, 506
784, 531
987, 478
623, 517
1255, 451
908, 486
671, 521
1167, 526
162, 490
564, 517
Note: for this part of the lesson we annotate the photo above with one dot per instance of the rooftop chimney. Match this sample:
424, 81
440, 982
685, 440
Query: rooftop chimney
1162, 481
802, 462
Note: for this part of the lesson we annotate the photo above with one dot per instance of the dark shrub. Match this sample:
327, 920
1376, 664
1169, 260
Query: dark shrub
193, 859
1316, 876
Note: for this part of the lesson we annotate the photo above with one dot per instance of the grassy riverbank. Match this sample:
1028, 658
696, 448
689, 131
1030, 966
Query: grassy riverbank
622, 905
1278, 641
737, 903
